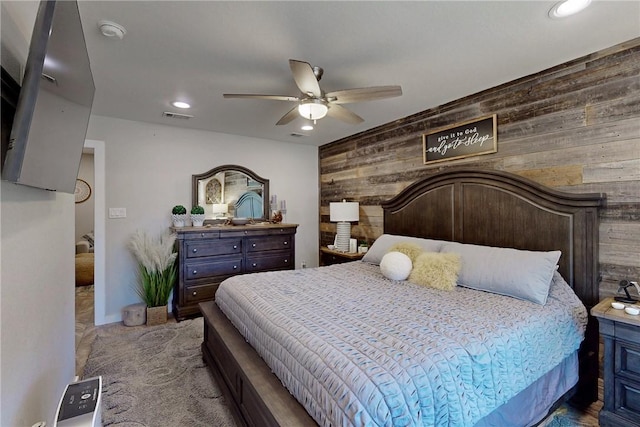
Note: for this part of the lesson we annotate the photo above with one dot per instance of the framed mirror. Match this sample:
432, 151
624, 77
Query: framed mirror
231, 191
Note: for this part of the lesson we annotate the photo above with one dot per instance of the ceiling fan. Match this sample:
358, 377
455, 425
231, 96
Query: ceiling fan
314, 103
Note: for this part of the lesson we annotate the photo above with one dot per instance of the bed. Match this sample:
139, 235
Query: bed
455, 207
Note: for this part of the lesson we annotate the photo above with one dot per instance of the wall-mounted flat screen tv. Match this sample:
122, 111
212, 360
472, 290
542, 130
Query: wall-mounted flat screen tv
54, 105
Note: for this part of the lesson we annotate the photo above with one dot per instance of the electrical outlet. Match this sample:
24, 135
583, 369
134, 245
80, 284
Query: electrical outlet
117, 212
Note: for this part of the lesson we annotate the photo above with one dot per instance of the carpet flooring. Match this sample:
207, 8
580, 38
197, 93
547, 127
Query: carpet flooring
155, 376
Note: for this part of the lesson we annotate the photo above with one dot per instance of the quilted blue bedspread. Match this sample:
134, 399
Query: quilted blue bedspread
358, 349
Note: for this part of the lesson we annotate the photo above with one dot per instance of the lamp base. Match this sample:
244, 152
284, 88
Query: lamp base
343, 236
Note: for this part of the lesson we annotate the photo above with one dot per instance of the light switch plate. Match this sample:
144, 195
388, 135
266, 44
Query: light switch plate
117, 212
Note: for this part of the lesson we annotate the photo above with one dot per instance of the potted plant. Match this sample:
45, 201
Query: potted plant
179, 215
157, 272
197, 216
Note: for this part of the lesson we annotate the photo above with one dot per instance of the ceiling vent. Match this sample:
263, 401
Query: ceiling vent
297, 135
176, 115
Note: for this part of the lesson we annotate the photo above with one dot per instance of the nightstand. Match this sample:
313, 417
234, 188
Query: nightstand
329, 257
621, 334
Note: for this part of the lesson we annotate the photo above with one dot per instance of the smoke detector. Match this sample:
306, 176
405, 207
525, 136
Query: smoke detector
111, 30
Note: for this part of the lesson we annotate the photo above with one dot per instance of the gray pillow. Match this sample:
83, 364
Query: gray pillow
520, 274
382, 244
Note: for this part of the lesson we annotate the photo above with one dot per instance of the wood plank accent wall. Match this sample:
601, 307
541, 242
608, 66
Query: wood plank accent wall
574, 127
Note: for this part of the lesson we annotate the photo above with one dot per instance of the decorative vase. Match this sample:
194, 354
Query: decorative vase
197, 220
156, 315
179, 219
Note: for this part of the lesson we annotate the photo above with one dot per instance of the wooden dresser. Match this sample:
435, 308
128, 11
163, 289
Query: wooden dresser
621, 333
208, 255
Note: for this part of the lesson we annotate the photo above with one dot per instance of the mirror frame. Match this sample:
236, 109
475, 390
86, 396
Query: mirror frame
235, 168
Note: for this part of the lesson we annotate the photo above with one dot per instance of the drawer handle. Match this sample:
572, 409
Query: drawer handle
235, 246
235, 267
195, 293
286, 243
286, 261
254, 264
195, 250
195, 272
253, 245
201, 234
246, 232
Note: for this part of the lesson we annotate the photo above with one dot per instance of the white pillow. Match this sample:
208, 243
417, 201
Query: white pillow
382, 244
520, 274
396, 266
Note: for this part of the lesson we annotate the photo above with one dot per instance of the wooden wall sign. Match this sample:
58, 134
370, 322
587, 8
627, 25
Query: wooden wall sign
472, 138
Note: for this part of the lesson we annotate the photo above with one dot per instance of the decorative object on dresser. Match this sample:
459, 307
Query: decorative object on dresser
208, 256
331, 256
197, 216
231, 191
157, 272
621, 334
179, 215
343, 213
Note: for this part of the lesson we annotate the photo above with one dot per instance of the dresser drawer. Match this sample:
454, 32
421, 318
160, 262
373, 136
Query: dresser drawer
203, 248
275, 261
268, 243
627, 360
213, 234
194, 294
204, 268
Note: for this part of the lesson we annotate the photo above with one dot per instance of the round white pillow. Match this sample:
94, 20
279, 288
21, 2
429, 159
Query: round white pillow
396, 266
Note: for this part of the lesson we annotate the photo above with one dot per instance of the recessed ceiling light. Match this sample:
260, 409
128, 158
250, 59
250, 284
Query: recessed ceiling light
568, 7
180, 104
307, 127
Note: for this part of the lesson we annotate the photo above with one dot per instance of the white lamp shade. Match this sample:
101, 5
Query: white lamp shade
344, 211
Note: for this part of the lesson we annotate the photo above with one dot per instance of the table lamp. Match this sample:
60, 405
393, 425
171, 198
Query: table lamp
343, 213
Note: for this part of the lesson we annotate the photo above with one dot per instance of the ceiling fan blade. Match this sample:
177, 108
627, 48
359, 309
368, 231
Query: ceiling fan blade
347, 96
253, 96
305, 78
341, 113
287, 118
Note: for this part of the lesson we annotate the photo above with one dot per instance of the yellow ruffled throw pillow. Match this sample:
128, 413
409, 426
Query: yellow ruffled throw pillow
436, 270
412, 250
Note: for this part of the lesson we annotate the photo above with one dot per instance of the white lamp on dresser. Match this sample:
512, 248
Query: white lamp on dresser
343, 213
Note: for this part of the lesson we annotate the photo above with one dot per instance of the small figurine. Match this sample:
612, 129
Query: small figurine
277, 217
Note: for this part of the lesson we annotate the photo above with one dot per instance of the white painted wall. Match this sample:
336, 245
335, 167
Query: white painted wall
37, 328
148, 171
37, 325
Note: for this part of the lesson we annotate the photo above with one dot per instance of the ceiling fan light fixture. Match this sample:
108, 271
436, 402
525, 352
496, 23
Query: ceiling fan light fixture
313, 109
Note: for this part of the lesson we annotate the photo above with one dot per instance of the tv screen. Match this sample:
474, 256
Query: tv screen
54, 105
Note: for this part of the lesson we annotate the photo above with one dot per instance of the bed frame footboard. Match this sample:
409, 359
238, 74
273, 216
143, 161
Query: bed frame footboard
255, 395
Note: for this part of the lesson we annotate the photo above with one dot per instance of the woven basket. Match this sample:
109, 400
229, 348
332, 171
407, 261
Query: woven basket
156, 315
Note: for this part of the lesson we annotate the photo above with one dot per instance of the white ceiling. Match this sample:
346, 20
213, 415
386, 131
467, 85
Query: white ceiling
437, 51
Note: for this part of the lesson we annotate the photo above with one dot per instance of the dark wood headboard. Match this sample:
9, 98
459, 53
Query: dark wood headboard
495, 208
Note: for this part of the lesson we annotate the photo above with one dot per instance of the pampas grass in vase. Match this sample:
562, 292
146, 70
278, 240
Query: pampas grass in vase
157, 272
